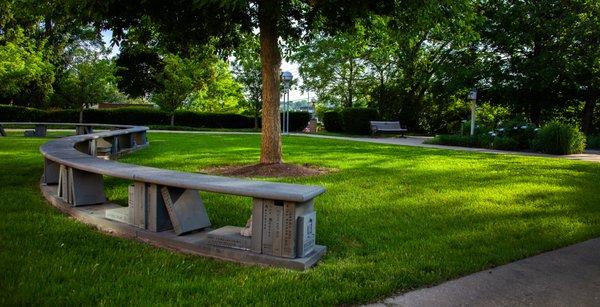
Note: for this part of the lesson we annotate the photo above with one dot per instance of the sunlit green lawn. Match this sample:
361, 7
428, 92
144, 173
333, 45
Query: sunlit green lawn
393, 218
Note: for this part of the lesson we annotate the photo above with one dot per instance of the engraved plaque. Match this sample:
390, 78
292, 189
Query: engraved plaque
307, 230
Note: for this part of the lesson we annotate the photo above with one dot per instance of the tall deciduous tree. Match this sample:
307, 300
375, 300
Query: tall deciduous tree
178, 80
185, 23
248, 72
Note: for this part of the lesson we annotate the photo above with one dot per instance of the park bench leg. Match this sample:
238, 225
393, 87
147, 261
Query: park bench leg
80, 188
51, 172
159, 208
139, 139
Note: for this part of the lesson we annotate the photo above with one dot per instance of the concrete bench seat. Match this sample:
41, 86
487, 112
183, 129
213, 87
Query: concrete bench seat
281, 230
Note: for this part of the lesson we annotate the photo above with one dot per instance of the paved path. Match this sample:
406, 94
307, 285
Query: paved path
568, 276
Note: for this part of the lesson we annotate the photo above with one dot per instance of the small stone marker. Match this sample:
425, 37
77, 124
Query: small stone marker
307, 230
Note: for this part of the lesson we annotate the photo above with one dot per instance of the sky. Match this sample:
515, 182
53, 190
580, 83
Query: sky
295, 94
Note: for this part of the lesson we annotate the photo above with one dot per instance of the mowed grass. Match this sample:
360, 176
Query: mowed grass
393, 218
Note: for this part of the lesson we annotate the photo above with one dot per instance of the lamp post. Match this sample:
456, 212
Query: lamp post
286, 77
473, 97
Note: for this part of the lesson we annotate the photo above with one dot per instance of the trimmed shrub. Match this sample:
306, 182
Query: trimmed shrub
298, 121
559, 139
356, 120
10, 113
213, 120
61, 116
332, 120
126, 116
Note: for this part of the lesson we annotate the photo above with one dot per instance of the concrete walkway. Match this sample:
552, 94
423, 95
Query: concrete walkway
568, 276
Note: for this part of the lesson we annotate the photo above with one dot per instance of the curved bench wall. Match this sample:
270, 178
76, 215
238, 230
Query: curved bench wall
167, 202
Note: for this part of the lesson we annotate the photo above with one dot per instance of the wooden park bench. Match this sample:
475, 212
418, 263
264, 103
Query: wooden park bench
166, 209
386, 127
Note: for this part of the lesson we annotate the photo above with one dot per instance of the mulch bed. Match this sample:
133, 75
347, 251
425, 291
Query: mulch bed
281, 170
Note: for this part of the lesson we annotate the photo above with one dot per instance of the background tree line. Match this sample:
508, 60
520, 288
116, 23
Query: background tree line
411, 60
536, 60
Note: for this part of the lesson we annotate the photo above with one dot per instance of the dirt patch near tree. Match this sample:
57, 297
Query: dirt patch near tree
267, 170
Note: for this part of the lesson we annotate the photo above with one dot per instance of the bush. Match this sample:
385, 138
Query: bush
332, 120
559, 139
593, 141
520, 131
356, 120
505, 143
213, 120
298, 121
20, 114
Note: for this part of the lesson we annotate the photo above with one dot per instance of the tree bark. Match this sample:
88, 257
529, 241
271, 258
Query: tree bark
81, 115
270, 58
172, 119
587, 115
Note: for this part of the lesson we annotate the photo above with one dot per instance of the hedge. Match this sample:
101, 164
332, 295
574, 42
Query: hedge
298, 121
20, 114
350, 120
127, 116
332, 120
213, 120
356, 120
142, 116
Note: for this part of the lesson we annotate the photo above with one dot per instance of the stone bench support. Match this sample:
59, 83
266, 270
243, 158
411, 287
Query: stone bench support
80, 188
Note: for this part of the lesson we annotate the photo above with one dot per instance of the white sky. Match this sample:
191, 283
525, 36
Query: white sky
292, 67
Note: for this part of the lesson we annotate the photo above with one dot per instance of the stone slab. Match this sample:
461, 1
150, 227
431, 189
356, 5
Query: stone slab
186, 209
229, 236
119, 215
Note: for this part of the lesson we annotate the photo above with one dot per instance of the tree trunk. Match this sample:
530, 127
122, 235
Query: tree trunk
351, 85
270, 58
172, 119
587, 115
81, 115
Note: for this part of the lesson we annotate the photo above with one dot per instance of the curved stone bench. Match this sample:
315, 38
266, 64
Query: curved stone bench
165, 208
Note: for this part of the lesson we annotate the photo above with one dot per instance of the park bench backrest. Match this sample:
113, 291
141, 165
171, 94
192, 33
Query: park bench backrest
378, 125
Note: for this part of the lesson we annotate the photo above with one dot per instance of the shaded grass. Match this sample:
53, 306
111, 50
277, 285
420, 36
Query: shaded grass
394, 218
